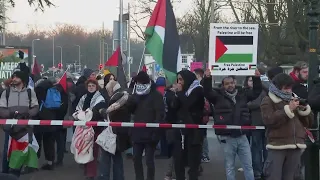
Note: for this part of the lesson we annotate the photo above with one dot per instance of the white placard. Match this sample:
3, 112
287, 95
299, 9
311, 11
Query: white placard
233, 49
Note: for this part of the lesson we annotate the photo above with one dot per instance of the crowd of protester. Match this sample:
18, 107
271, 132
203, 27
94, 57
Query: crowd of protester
279, 103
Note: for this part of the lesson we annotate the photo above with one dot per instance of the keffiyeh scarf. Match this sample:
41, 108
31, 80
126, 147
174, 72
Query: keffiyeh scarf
195, 84
143, 89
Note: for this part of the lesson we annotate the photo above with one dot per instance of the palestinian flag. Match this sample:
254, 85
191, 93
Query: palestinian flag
234, 49
252, 67
22, 153
162, 39
215, 67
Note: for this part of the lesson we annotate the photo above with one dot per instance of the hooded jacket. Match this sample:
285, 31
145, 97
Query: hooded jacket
148, 108
226, 111
191, 106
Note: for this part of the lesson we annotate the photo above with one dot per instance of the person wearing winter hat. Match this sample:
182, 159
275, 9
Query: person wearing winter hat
17, 100
147, 106
89, 73
116, 112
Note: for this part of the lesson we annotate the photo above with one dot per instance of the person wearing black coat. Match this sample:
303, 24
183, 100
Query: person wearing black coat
190, 99
116, 112
314, 96
231, 109
173, 136
47, 135
147, 106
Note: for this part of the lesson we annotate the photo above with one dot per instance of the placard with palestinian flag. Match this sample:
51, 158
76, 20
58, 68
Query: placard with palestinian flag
233, 49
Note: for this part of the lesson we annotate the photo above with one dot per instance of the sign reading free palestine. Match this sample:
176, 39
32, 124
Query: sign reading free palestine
233, 49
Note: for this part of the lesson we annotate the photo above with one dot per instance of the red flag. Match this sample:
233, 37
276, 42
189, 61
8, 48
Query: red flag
144, 68
63, 81
35, 68
113, 60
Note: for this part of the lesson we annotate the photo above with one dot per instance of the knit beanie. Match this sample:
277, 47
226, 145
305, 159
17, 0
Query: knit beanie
274, 71
87, 72
23, 76
142, 77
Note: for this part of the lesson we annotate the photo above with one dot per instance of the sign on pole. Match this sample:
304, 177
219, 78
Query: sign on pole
233, 49
195, 65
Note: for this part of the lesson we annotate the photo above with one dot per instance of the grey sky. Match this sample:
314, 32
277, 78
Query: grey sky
79, 12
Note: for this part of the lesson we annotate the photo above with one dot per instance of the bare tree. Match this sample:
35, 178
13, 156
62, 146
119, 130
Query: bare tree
283, 27
142, 11
196, 24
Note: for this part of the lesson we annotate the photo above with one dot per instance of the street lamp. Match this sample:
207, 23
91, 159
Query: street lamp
79, 55
4, 31
60, 53
32, 48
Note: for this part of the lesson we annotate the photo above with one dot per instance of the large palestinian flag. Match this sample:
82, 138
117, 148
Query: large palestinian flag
162, 39
234, 49
22, 153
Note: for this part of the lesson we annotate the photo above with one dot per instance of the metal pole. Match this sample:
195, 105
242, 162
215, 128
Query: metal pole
32, 48
79, 58
53, 55
102, 57
107, 50
3, 6
100, 46
121, 25
60, 54
311, 155
129, 46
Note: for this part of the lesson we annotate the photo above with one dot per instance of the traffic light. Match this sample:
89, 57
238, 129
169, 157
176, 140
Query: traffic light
100, 66
60, 66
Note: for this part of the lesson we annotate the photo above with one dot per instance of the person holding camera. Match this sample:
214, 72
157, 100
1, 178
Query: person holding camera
285, 117
18, 102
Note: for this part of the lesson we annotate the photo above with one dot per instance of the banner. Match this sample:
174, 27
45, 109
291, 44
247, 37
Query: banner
9, 60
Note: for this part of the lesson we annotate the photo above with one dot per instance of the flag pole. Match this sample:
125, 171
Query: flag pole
142, 56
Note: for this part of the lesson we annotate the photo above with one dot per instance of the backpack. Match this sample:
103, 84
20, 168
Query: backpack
53, 99
8, 94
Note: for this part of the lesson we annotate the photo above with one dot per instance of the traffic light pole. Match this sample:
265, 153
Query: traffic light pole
311, 154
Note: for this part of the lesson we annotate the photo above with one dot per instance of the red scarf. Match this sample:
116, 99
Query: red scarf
294, 77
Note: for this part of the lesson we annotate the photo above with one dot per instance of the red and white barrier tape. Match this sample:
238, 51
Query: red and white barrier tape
119, 124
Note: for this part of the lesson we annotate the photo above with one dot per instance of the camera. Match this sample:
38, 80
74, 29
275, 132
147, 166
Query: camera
303, 102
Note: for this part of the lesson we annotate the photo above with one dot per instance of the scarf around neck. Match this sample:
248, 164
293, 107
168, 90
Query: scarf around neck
195, 84
143, 89
96, 98
232, 95
285, 96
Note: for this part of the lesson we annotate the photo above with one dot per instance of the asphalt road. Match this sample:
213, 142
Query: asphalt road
72, 171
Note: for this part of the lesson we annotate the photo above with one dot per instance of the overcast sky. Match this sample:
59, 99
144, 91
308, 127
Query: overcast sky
80, 12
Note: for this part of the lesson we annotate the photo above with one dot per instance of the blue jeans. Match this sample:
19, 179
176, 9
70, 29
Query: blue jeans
5, 163
237, 146
205, 148
105, 161
259, 151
